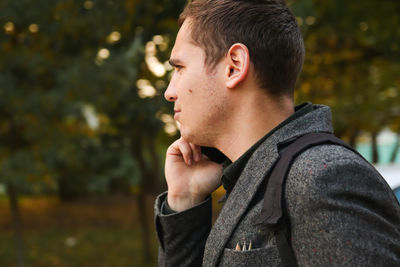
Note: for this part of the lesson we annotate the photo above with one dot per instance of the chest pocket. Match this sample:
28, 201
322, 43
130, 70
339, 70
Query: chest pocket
250, 258
263, 252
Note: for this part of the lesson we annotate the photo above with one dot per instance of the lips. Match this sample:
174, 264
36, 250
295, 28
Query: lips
177, 112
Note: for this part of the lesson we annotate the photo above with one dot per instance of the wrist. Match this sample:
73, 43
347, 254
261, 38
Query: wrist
179, 202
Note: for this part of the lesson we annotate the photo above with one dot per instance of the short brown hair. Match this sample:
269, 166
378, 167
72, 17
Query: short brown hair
266, 27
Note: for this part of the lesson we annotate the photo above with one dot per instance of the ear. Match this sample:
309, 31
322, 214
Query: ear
238, 58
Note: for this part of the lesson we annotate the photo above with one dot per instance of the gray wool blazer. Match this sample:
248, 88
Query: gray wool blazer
341, 211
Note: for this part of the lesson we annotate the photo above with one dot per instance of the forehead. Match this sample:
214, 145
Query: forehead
184, 45
184, 32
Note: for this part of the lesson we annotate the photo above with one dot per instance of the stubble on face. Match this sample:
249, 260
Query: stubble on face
208, 117
200, 93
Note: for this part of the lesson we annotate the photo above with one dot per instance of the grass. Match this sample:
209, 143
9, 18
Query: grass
93, 232
86, 233
82, 247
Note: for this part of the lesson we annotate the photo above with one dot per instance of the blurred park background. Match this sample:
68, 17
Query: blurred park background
84, 126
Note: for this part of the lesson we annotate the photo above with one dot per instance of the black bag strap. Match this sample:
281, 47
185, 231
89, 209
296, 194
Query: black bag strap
282, 236
273, 210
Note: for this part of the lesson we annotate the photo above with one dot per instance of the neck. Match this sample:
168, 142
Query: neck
256, 116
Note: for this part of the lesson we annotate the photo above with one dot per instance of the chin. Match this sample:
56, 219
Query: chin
195, 137
187, 135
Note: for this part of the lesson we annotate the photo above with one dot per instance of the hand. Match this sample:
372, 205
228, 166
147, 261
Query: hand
190, 176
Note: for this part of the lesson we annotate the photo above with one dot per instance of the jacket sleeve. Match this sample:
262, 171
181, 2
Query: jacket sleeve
342, 212
182, 236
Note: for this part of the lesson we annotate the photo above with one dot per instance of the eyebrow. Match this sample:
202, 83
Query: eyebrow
175, 62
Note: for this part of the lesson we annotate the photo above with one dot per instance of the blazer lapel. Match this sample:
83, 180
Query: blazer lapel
239, 200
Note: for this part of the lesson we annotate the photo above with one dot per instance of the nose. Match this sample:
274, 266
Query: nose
170, 93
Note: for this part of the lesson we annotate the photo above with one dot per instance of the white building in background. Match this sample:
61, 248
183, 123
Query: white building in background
387, 141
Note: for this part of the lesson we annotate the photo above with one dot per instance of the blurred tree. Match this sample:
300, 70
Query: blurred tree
395, 126
395, 151
78, 105
352, 62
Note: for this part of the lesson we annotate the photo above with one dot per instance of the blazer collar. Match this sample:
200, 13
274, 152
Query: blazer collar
257, 168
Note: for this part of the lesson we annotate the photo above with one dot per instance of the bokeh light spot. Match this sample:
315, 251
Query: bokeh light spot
33, 28
9, 27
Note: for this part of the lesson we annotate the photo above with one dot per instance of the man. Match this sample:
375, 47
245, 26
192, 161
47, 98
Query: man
236, 64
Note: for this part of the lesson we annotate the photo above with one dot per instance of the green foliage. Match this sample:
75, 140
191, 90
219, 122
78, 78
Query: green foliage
70, 112
352, 61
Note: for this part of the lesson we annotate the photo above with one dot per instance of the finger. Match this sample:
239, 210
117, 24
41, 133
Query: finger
186, 151
173, 149
196, 150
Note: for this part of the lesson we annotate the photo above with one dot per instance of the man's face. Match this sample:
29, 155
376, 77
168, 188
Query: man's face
198, 92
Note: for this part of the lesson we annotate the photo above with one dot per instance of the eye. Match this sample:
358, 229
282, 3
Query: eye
178, 68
